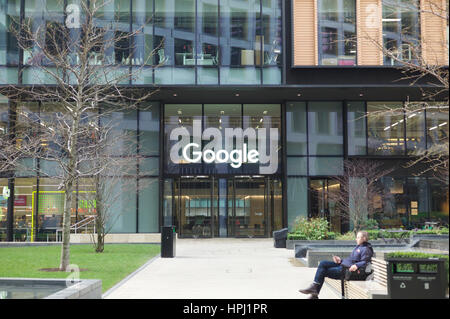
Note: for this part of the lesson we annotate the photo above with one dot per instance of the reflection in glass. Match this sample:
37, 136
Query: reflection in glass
415, 129
400, 31
297, 199
437, 124
181, 117
148, 208
9, 18
24, 209
325, 128
149, 118
385, 128
356, 126
3, 209
296, 135
418, 200
337, 31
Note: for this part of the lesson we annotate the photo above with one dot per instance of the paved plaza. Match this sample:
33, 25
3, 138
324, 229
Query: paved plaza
221, 269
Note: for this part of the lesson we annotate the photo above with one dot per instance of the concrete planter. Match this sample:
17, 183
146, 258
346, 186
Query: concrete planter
290, 244
26, 288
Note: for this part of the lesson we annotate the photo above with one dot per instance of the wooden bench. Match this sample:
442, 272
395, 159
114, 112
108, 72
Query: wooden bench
375, 287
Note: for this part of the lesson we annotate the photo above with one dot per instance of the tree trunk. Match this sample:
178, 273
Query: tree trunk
65, 248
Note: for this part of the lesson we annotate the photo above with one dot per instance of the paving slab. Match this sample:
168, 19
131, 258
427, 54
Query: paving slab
221, 269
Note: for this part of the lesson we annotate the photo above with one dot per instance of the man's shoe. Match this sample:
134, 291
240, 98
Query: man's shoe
313, 296
311, 290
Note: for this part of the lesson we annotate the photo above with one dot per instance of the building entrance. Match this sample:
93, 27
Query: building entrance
243, 206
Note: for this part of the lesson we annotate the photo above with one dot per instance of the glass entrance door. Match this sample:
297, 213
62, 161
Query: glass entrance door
249, 208
194, 207
244, 207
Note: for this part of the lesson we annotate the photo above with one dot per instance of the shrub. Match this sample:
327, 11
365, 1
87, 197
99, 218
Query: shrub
371, 224
420, 255
312, 229
346, 236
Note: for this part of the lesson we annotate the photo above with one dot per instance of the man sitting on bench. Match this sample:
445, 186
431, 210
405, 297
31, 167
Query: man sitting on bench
358, 260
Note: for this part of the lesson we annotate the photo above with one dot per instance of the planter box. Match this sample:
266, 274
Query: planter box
290, 244
24, 288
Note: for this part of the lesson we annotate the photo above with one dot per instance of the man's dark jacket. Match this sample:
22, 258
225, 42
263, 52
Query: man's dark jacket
360, 256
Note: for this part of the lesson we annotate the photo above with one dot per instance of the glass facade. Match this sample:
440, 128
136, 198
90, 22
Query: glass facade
215, 189
39, 201
337, 32
202, 42
401, 31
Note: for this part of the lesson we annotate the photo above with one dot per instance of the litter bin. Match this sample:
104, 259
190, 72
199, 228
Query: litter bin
416, 278
168, 241
280, 237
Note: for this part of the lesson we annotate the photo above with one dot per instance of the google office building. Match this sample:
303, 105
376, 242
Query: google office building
259, 103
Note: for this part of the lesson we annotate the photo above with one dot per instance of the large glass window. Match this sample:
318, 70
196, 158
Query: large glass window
385, 128
179, 122
266, 120
148, 207
439, 205
325, 128
233, 129
356, 128
222, 116
296, 135
418, 200
337, 31
24, 208
241, 42
401, 31
297, 199
437, 124
415, 128
391, 206
9, 20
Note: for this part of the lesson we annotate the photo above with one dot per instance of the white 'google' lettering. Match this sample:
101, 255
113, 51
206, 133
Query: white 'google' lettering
229, 148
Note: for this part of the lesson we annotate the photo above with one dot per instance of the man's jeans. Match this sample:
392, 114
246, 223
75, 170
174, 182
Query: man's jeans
327, 269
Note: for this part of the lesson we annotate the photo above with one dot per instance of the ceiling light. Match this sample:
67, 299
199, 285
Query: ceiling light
175, 94
299, 94
412, 115
433, 128
237, 94
265, 112
180, 112
442, 124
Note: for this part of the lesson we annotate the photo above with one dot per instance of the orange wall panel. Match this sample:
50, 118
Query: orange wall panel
305, 44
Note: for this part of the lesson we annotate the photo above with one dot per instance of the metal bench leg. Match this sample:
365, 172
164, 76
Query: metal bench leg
342, 288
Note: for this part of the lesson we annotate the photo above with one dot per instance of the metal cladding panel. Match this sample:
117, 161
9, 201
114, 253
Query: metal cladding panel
433, 14
304, 29
369, 32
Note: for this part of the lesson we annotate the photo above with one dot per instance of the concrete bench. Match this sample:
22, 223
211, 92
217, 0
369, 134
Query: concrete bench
375, 287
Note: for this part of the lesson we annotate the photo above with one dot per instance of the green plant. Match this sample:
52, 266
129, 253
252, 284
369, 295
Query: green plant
371, 224
420, 255
346, 236
373, 234
312, 229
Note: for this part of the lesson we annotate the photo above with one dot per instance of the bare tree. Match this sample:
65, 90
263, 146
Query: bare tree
80, 58
113, 177
358, 187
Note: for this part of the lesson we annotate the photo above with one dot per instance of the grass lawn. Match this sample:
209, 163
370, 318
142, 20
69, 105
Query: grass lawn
111, 266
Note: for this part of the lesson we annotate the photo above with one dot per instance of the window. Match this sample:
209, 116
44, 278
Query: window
437, 124
356, 127
415, 128
296, 128
385, 128
401, 31
337, 32
325, 128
